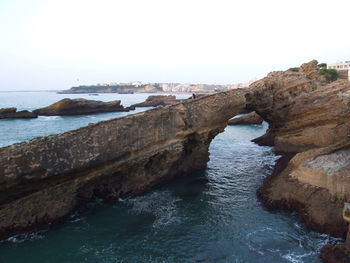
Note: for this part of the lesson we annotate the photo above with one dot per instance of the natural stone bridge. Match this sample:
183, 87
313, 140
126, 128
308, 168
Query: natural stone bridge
44, 179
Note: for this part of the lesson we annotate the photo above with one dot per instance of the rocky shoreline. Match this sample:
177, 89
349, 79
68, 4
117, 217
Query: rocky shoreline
44, 180
309, 126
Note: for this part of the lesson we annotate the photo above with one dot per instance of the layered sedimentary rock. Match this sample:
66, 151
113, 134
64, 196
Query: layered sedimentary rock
250, 118
309, 124
45, 179
12, 113
80, 106
158, 100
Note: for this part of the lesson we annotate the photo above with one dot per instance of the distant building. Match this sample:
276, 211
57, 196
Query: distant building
343, 69
340, 65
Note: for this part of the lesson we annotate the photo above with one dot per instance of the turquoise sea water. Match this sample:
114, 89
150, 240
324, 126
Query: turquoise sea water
17, 130
209, 216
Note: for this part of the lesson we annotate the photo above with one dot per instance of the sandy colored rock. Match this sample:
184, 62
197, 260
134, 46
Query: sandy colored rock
311, 70
309, 122
250, 118
45, 179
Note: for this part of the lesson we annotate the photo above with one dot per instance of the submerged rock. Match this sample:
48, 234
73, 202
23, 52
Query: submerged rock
80, 106
12, 113
250, 118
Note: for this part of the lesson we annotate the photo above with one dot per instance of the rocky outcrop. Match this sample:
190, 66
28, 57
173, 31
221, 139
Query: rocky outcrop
311, 70
12, 113
309, 125
45, 179
80, 106
250, 118
308, 122
158, 100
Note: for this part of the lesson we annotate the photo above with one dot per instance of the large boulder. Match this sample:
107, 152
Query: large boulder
12, 113
80, 106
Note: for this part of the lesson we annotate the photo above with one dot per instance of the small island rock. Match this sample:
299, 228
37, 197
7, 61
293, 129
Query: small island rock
12, 113
68, 107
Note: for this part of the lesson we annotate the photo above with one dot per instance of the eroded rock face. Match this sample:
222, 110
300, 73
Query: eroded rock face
80, 106
12, 113
311, 70
302, 113
309, 122
43, 180
250, 118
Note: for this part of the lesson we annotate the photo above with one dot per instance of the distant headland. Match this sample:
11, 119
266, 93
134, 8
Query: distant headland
139, 87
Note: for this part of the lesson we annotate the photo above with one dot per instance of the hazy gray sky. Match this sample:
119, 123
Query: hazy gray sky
49, 44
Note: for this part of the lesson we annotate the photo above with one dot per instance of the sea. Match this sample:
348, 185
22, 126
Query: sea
209, 216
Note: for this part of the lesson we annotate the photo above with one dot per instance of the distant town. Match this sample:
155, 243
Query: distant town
138, 86
342, 69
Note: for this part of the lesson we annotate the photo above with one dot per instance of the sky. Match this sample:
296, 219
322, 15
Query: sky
53, 45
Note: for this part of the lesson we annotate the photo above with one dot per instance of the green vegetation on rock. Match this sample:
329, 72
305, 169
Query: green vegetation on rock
329, 74
296, 69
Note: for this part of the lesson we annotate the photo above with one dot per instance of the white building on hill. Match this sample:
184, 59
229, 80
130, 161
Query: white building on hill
342, 67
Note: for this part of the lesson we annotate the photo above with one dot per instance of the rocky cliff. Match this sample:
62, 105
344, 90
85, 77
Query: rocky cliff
45, 179
309, 124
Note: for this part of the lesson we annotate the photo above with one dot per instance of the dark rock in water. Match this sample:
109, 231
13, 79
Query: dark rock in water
12, 113
68, 107
335, 254
158, 100
251, 118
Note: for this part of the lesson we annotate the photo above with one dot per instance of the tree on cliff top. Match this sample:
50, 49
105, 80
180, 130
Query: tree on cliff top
329, 74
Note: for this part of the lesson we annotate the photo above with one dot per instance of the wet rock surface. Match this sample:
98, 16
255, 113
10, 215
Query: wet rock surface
66, 107
12, 113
